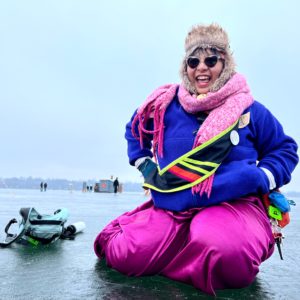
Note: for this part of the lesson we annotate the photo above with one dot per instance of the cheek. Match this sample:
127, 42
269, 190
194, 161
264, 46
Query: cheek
190, 74
217, 71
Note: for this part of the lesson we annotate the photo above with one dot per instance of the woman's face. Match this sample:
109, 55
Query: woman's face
203, 76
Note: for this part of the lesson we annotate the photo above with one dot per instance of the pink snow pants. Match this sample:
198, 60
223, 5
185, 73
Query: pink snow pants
211, 248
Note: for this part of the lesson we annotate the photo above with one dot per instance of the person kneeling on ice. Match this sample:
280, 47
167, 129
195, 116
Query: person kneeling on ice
217, 150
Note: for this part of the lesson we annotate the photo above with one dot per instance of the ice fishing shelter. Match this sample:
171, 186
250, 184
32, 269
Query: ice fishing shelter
104, 186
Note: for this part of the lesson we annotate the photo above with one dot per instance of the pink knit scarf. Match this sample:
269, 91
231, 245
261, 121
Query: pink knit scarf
225, 106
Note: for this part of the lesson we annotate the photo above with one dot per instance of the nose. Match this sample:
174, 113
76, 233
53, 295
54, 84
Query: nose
202, 66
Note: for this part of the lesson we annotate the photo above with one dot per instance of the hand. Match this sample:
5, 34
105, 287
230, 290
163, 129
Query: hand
147, 167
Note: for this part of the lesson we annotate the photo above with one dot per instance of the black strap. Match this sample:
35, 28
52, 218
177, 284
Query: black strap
10, 238
46, 222
12, 221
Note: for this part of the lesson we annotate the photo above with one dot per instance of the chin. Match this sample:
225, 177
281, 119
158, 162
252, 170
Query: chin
202, 91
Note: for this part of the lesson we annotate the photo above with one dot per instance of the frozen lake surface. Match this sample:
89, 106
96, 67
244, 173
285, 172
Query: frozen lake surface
70, 270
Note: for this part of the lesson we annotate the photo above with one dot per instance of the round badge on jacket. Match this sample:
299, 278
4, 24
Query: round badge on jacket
234, 137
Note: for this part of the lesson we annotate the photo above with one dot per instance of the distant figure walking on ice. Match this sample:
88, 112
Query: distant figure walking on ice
116, 185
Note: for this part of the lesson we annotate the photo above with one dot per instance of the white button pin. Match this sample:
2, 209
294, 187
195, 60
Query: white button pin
234, 137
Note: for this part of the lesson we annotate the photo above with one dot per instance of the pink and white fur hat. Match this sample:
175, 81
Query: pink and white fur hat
205, 37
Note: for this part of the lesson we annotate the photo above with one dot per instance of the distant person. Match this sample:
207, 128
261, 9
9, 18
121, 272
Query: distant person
45, 186
42, 186
116, 185
216, 150
96, 187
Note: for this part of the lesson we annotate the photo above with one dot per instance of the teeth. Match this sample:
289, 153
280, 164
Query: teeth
202, 78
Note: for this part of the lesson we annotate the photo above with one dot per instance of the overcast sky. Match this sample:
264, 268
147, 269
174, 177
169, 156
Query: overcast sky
72, 73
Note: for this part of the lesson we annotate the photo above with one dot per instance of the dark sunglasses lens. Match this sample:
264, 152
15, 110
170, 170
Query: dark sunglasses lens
211, 61
193, 62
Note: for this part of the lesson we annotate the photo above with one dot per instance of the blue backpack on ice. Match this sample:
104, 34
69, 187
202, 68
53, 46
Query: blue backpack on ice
35, 228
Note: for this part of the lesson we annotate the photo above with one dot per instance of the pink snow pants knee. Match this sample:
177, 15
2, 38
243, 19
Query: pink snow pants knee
211, 248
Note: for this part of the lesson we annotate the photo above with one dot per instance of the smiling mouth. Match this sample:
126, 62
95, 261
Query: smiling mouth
203, 80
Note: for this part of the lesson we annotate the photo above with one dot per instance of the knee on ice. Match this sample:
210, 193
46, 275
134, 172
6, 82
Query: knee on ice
229, 263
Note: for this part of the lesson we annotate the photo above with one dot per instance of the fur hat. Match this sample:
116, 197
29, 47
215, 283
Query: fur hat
205, 37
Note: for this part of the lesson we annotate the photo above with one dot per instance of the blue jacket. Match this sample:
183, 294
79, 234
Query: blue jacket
263, 143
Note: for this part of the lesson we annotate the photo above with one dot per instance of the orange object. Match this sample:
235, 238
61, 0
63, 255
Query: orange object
285, 220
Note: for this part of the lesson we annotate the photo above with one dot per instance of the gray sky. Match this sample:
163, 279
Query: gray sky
72, 73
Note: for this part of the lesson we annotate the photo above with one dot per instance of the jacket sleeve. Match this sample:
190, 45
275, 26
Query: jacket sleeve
277, 152
134, 149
